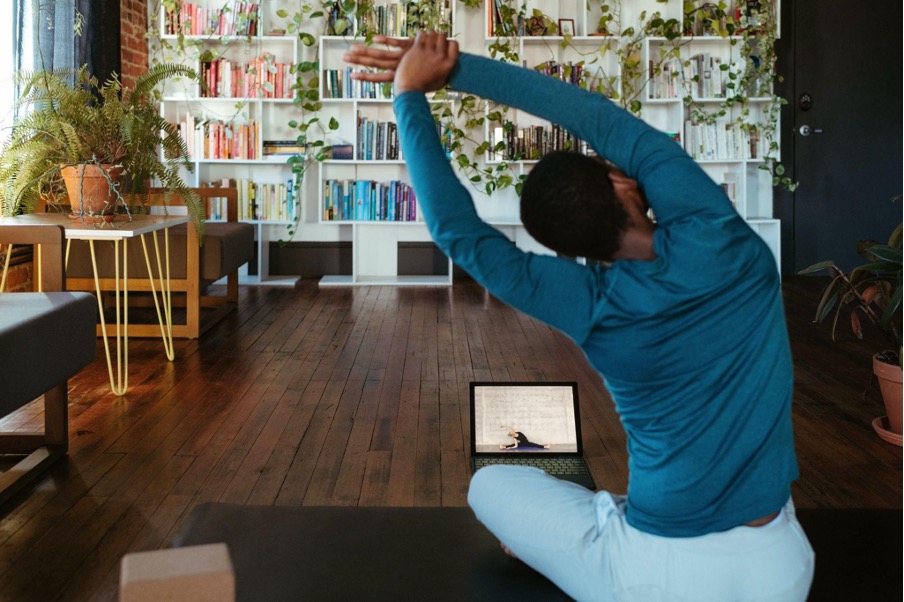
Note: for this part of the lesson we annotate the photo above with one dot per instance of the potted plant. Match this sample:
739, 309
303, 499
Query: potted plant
105, 139
873, 291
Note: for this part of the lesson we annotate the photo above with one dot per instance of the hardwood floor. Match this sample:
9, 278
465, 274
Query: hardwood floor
358, 397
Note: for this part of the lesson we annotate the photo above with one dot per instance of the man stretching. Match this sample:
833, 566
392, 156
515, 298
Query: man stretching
684, 322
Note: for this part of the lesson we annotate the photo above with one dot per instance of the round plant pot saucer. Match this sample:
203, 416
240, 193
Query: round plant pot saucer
880, 425
99, 219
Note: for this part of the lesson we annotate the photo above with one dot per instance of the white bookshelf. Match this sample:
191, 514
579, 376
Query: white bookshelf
749, 187
182, 100
375, 243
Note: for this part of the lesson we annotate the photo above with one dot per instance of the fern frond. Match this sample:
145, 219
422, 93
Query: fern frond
146, 82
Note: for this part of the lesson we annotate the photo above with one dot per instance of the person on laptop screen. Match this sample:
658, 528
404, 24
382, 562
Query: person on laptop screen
522, 442
684, 321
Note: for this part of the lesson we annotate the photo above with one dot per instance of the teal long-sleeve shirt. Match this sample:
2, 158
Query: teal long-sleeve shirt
692, 346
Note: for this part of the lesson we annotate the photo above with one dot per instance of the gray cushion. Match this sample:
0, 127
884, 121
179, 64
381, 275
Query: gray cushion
46, 338
227, 246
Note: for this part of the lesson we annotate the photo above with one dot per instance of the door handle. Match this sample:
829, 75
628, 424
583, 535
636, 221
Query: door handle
806, 130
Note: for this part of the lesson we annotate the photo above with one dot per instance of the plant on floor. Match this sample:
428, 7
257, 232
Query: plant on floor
71, 120
871, 290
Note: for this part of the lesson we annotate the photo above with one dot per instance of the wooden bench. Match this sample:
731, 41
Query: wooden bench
317, 553
227, 246
46, 338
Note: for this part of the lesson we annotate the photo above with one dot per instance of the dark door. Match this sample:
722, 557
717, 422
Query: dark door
846, 58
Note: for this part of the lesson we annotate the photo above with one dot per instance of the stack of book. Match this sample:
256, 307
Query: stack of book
339, 20
338, 83
367, 200
730, 184
722, 140
240, 19
262, 77
377, 140
221, 140
188, 131
707, 76
401, 19
533, 142
208, 139
499, 25
281, 149
665, 81
256, 201
569, 72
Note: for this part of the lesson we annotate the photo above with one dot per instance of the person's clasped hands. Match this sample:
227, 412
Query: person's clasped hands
423, 64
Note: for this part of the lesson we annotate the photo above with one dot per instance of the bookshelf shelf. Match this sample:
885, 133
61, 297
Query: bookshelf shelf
729, 155
256, 58
217, 39
375, 244
230, 99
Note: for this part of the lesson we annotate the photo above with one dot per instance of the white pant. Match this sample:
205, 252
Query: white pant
581, 541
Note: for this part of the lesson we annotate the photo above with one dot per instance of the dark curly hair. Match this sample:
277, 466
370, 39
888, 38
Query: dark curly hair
568, 204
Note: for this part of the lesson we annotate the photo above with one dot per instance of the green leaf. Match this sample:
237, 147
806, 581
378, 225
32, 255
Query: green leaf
282, 14
828, 302
817, 267
334, 123
887, 253
894, 303
882, 267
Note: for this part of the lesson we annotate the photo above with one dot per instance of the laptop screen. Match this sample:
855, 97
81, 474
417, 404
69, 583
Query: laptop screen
524, 417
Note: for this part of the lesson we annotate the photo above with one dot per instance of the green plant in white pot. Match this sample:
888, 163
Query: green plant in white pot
872, 291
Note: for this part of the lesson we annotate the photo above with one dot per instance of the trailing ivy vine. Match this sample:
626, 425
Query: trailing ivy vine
465, 119
626, 40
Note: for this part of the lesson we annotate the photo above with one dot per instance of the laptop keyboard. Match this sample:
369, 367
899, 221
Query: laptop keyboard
553, 466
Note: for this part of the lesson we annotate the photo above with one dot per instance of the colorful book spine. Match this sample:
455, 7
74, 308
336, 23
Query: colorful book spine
240, 19
377, 140
510, 143
258, 201
368, 200
261, 77
339, 84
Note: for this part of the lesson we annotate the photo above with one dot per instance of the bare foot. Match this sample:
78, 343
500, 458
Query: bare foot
507, 551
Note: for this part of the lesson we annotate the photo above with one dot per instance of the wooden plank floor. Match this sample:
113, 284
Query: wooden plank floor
357, 397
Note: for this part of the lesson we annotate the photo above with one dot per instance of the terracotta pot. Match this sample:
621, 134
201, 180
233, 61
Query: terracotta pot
890, 383
89, 188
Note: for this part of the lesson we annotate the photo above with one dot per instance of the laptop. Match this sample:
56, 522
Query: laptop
532, 424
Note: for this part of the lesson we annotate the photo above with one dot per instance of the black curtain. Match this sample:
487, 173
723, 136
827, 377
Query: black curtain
99, 46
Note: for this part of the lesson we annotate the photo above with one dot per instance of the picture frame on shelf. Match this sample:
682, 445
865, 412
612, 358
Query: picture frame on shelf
566, 27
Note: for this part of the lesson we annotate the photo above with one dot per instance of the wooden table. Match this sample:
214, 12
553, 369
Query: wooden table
120, 232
